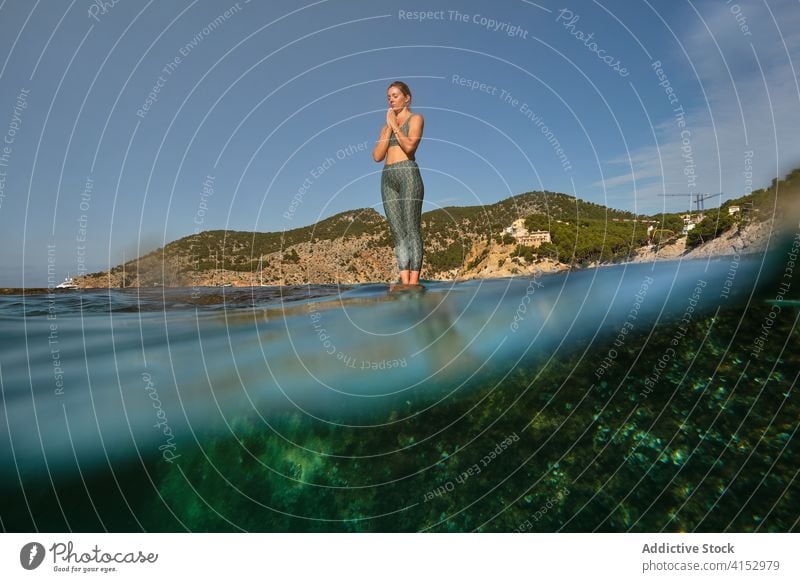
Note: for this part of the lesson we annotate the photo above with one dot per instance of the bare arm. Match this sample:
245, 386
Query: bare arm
382, 145
409, 143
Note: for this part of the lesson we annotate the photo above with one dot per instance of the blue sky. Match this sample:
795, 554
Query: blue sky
265, 113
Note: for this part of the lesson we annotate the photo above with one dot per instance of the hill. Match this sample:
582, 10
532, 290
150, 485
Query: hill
460, 242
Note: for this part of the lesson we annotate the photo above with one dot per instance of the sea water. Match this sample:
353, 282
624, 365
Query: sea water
352, 389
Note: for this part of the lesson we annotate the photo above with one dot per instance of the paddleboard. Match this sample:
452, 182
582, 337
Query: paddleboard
398, 287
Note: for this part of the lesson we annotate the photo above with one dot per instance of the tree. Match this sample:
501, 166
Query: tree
708, 229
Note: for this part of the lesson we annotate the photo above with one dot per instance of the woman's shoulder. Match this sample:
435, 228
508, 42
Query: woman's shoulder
415, 114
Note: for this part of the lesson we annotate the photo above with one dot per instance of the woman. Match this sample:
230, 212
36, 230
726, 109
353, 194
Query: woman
401, 185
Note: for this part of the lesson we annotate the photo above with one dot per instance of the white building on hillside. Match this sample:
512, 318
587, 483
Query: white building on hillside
532, 238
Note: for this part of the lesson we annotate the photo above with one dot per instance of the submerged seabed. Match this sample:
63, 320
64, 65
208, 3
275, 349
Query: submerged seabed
637, 397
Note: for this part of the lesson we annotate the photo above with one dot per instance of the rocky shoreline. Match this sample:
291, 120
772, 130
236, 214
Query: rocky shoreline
359, 261
749, 239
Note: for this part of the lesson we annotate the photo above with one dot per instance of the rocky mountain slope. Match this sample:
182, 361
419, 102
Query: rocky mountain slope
460, 243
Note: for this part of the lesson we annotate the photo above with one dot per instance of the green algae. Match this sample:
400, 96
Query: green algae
712, 447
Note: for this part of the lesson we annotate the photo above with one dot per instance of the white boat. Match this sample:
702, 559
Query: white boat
67, 283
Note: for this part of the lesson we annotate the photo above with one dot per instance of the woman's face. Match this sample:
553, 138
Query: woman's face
396, 99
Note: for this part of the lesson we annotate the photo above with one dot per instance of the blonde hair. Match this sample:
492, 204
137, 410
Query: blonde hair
403, 88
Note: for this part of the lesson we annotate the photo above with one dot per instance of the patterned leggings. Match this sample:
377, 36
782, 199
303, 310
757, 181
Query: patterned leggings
402, 191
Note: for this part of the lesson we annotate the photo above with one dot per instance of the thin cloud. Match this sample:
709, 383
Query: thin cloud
756, 73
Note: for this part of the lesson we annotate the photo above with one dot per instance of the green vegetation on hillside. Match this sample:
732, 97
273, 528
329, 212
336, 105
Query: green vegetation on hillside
240, 251
448, 232
766, 202
447, 258
709, 228
759, 205
588, 239
582, 232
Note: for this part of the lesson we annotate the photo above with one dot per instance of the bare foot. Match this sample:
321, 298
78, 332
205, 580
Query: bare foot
405, 287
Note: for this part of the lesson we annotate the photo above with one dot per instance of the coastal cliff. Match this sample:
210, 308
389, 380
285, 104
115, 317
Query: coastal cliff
460, 243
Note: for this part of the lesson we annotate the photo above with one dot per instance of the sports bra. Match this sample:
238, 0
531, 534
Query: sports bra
393, 137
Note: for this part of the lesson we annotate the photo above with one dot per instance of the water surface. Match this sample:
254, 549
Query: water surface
625, 397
